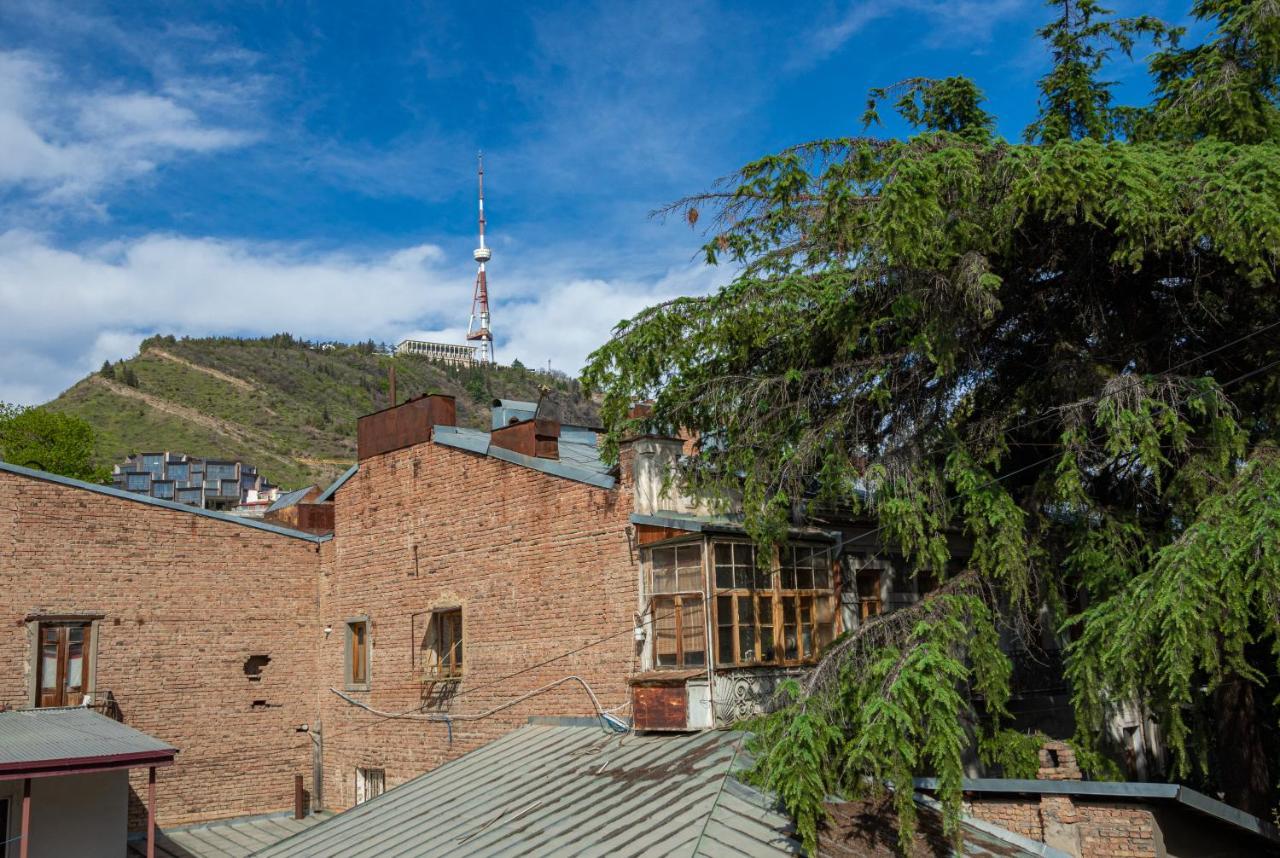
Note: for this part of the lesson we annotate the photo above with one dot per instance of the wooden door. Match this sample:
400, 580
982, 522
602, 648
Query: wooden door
64, 664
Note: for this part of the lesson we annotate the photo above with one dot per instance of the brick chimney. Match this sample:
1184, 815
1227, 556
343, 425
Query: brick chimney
1058, 763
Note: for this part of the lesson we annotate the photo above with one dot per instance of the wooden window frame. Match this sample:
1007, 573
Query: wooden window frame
447, 668
775, 609
350, 657
869, 607
36, 623
677, 599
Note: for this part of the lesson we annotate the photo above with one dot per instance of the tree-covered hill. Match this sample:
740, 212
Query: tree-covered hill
287, 406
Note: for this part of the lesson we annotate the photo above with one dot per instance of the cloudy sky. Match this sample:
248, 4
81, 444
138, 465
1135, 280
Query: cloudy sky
246, 168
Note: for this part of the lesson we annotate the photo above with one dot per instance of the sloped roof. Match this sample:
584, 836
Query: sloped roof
33, 740
225, 838
167, 504
556, 789
579, 456
327, 494
288, 499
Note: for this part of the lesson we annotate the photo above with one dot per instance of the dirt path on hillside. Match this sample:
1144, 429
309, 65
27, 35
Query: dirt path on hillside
236, 431
218, 374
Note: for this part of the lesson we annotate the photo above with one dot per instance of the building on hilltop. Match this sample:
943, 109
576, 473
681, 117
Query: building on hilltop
450, 353
206, 483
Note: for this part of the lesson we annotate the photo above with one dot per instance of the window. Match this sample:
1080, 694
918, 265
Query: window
445, 636
369, 784
179, 471
162, 489
764, 617
869, 604
357, 658
62, 666
135, 482
679, 632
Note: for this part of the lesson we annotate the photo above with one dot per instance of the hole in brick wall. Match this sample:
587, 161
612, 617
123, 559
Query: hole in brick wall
253, 666
1051, 758
262, 704
115, 621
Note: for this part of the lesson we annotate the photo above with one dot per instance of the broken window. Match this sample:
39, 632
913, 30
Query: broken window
357, 656
763, 617
679, 632
63, 663
444, 638
369, 783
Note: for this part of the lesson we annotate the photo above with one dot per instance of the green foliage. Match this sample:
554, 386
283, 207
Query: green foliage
893, 710
48, 441
1063, 350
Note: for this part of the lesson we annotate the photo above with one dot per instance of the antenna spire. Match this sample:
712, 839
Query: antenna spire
478, 326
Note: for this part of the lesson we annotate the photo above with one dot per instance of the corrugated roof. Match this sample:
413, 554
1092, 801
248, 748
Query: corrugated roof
226, 838
548, 789
167, 504
288, 499
29, 737
579, 457
722, 524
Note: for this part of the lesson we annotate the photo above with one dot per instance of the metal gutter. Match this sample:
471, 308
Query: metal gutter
1118, 791
84, 765
111, 491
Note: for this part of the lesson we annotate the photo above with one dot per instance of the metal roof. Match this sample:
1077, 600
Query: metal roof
327, 494
579, 457
37, 739
288, 499
160, 502
225, 838
555, 789
722, 524
1119, 791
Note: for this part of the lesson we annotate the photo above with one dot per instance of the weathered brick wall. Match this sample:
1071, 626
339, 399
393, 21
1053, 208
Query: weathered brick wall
541, 566
186, 600
1021, 816
1093, 829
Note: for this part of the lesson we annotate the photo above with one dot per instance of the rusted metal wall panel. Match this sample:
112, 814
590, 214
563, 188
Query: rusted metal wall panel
539, 438
404, 425
663, 707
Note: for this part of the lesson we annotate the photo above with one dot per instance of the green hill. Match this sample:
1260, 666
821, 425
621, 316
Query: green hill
287, 406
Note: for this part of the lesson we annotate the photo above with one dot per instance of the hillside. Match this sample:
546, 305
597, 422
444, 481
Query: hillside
287, 406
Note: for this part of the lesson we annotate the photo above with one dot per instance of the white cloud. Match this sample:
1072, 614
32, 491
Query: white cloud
69, 310
67, 145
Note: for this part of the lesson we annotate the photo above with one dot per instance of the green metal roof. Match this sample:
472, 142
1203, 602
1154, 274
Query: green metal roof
37, 739
551, 789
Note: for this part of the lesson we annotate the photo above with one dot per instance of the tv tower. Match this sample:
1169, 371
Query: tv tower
478, 327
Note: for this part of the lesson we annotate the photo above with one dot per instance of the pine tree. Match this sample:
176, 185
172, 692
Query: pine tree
1066, 350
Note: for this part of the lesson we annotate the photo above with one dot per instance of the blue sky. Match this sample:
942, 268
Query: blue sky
246, 168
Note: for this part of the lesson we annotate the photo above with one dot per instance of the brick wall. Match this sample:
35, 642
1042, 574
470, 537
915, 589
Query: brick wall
185, 599
1088, 829
541, 566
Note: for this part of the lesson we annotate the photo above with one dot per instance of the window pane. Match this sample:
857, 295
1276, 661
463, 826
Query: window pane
724, 629
693, 644
746, 629
663, 562
724, 566
689, 568
75, 658
806, 626
358, 655
664, 632
790, 647
821, 570
49, 658
767, 650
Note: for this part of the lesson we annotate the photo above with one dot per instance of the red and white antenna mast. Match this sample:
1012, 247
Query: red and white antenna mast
478, 327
